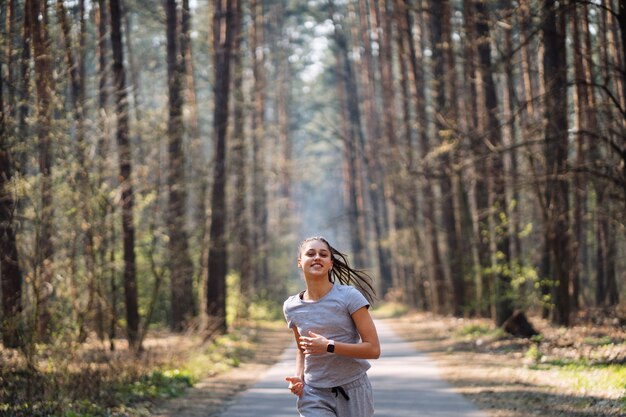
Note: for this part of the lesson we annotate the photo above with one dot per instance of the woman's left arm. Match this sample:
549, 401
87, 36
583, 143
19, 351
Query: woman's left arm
368, 348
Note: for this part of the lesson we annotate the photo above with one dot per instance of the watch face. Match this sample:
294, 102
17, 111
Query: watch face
330, 348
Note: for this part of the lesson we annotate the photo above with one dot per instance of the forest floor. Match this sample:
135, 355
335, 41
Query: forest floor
576, 372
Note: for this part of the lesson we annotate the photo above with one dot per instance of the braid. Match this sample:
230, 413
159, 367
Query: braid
342, 271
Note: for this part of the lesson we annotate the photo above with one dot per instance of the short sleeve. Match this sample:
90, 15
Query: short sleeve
290, 323
355, 300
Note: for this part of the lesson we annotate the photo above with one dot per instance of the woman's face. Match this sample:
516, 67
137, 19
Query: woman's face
315, 258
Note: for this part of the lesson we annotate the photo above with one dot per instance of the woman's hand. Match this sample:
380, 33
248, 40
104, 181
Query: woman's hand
296, 385
315, 343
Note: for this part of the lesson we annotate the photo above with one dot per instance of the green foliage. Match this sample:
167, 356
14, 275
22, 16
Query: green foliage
157, 384
389, 310
533, 353
480, 330
474, 330
265, 310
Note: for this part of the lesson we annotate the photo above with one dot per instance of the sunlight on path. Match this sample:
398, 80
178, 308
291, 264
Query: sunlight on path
406, 384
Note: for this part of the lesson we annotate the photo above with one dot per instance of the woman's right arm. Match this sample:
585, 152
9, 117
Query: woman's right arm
296, 382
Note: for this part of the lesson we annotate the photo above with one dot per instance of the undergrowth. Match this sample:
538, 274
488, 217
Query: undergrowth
119, 384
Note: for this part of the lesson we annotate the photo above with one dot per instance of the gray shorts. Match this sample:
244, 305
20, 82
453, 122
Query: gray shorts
334, 402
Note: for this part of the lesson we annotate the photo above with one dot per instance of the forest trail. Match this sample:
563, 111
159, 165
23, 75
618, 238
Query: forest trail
405, 382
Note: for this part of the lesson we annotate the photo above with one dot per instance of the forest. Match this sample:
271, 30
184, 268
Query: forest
160, 161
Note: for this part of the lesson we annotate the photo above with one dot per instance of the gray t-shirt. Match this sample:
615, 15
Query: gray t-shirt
331, 317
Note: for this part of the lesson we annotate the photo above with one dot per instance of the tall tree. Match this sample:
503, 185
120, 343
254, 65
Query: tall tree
446, 124
10, 271
368, 143
223, 22
125, 175
240, 152
556, 148
44, 88
493, 141
475, 123
180, 265
259, 193
76, 69
353, 135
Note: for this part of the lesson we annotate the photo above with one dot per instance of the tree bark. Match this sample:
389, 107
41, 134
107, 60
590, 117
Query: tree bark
240, 152
368, 142
259, 193
179, 262
556, 148
493, 141
351, 141
125, 175
44, 88
218, 254
10, 271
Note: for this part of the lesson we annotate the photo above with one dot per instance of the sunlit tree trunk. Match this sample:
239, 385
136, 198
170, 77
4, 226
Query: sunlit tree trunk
197, 170
476, 126
556, 148
217, 264
434, 300
125, 176
354, 137
240, 151
369, 141
412, 244
179, 262
419, 229
389, 150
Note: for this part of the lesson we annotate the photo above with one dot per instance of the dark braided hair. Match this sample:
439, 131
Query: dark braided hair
342, 270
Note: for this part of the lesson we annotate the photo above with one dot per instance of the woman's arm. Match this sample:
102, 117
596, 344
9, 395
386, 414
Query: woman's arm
368, 348
296, 382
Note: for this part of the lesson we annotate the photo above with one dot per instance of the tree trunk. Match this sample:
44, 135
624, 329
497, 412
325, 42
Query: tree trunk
477, 127
76, 69
102, 146
125, 175
10, 272
240, 151
198, 171
504, 301
259, 193
581, 101
556, 148
217, 257
368, 144
351, 141
179, 262
44, 88
621, 18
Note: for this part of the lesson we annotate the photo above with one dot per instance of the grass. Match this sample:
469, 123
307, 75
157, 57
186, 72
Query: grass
122, 385
389, 310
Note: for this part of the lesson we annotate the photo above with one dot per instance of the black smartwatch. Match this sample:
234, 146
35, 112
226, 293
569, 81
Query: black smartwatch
331, 346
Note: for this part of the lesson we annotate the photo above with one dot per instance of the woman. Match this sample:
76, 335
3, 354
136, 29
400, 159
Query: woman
335, 335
